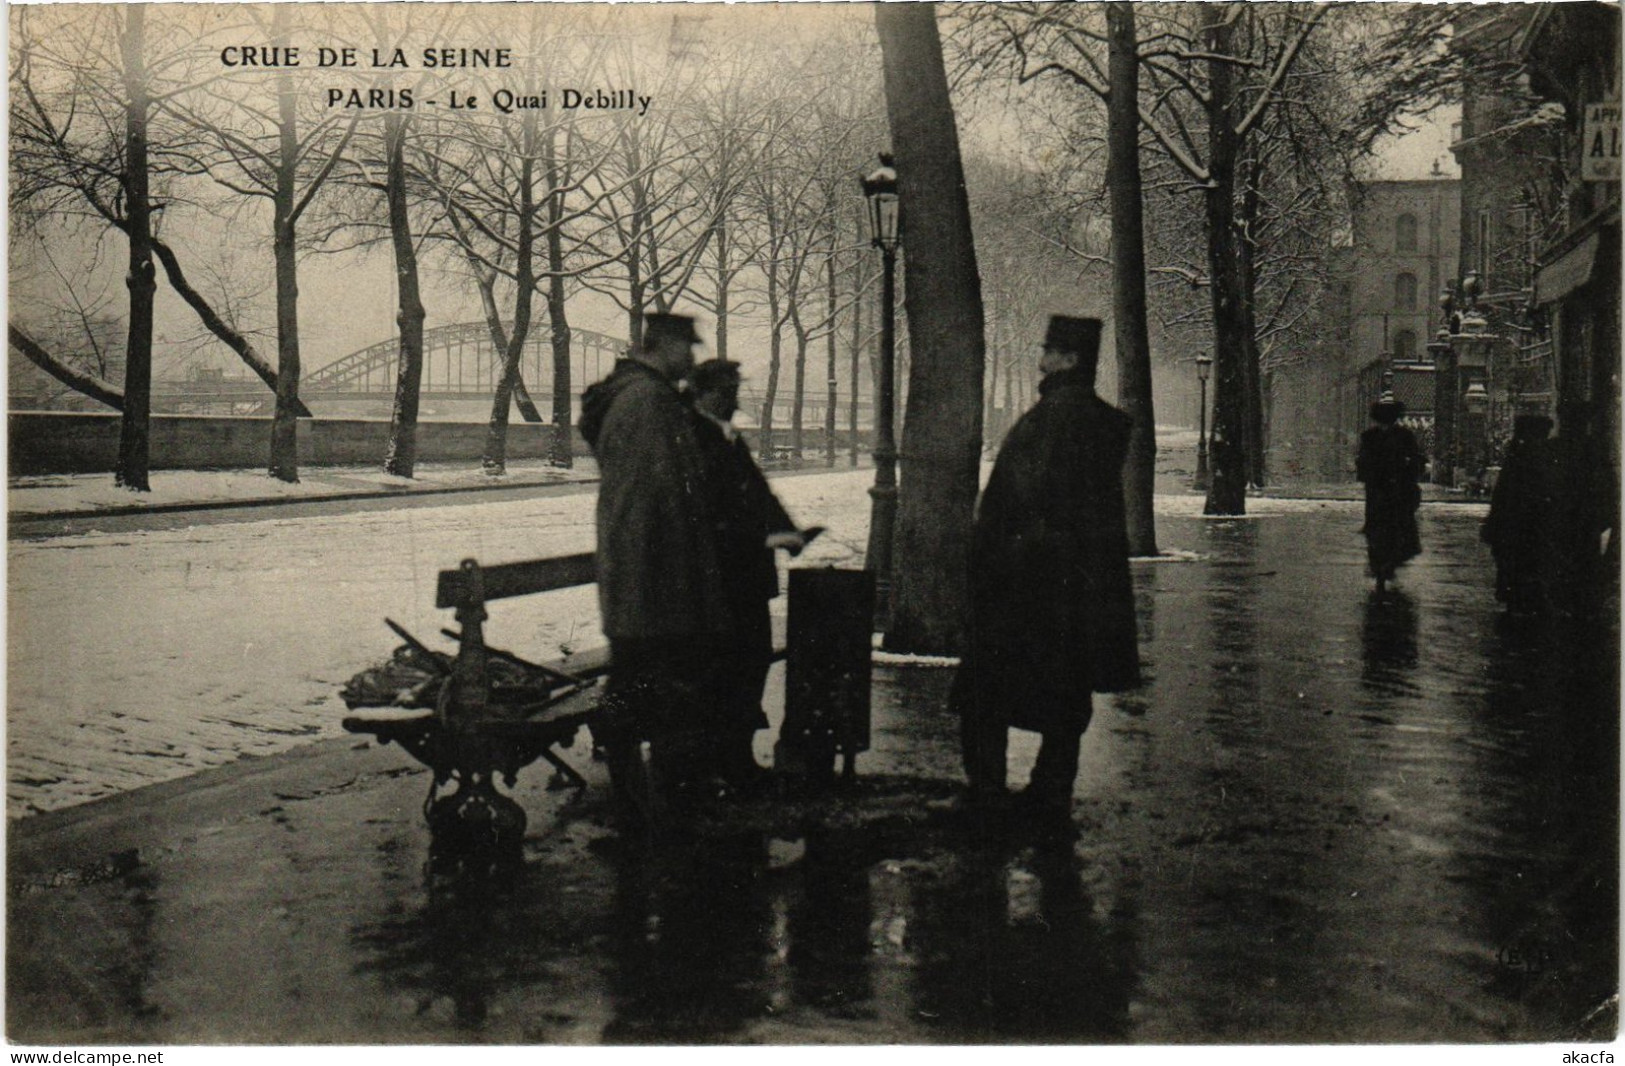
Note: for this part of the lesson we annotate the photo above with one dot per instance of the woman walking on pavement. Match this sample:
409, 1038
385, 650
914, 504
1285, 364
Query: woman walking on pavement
1390, 464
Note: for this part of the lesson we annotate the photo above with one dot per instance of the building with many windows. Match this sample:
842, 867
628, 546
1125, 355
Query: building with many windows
1405, 238
1401, 252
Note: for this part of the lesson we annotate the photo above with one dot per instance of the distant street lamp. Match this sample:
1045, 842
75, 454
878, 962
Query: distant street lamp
880, 190
1204, 364
1473, 346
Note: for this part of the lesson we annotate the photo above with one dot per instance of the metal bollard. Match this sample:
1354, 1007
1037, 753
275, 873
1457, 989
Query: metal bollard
826, 700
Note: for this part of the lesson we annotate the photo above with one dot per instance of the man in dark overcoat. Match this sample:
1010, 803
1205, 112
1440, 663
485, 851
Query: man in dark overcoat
749, 523
660, 587
1052, 606
1520, 528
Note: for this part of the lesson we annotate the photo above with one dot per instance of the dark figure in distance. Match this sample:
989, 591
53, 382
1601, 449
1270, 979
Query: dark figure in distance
660, 587
1052, 607
1519, 528
749, 523
1390, 464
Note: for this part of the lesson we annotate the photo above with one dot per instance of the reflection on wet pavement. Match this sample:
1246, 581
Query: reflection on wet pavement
1329, 817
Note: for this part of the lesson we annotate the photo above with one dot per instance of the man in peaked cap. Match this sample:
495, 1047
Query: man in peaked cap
1052, 608
660, 585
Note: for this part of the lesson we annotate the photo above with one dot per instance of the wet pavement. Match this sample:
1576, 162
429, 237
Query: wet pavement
1330, 817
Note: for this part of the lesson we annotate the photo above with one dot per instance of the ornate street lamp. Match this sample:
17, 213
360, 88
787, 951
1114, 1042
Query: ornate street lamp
880, 190
1204, 365
1444, 390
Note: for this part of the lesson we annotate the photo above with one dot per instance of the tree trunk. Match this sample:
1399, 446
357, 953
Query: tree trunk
990, 393
634, 298
400, 455
562, 452
495, 461
857, 351
1246, 269
724, 277
1227, 463
1009, 397
89, 384
134, 440
798, 398
775, 347
214, 323
1128, 278
833, 397
284, 464
941, 450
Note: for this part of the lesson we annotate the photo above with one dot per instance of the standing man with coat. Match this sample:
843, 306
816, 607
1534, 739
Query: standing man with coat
749, 523
660, 586
1052, 606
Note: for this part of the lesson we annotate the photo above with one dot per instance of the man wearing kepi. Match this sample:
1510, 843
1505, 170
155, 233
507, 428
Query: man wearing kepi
660, 587
750, 525
1052, 608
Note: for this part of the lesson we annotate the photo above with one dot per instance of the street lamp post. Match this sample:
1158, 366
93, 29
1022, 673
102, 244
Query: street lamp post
1204, 364
880, 190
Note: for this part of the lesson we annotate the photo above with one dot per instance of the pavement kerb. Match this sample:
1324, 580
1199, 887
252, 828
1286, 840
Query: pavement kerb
446, 490
144, 817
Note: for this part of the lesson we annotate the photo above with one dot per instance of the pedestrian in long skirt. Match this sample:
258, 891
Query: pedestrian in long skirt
1390, 465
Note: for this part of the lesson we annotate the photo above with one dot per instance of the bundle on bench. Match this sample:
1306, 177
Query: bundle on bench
484, 712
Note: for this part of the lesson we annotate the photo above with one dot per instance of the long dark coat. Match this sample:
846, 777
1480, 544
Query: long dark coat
1052, 606
1390, 464
1522, 525
659, 578
744, 512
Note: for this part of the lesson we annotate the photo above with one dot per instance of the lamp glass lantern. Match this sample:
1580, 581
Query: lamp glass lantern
880, 190
1204, 367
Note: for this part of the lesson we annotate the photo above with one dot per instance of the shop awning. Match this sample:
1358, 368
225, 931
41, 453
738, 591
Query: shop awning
1567, 272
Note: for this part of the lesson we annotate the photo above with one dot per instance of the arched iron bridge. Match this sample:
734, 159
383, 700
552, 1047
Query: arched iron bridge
460, 365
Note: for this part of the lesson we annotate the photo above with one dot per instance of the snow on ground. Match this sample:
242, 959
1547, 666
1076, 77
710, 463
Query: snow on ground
84, 492
138, 657
1190, 506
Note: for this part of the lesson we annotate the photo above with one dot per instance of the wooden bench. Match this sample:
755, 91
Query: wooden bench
474, 731
547, 712
469, 730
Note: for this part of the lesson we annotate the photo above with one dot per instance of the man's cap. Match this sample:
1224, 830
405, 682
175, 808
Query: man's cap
714, 373
1080, 336
657, 327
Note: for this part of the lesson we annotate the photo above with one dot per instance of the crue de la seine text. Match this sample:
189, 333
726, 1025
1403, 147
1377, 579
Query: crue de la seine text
505, 101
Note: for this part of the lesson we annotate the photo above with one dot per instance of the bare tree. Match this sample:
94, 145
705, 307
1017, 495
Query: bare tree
517, 194
942, 435
89, 88
1220, 76
265, 149
653, 225
1128, 277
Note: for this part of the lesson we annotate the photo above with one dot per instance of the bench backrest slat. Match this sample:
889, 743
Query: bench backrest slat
519, 579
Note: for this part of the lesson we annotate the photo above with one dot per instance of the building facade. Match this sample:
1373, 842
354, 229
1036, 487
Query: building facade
1533, 320
1404, 240
1406, 235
